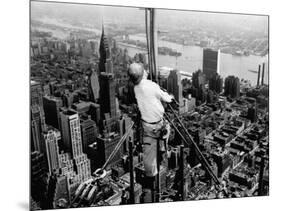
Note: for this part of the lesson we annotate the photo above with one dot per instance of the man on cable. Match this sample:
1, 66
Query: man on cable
149, 98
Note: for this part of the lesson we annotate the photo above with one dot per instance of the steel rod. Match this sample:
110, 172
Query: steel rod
131, 168
118, 145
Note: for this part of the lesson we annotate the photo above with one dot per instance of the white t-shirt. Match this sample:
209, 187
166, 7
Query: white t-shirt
149, 96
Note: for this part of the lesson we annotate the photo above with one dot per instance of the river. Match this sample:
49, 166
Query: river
192, 58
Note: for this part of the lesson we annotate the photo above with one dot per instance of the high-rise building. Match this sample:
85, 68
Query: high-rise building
107, 94
163, 81
61, 191
198, 79
124, 123
36, 94
202, 95
38, 176
95, 113
37, 129
89, 132
106, 79
110, 125
215, 83
68, 98
71, 136
173, 158
198, 134
210, 97
35, 137
105, 63
126, 57
81, 107
66, 164
222, 160
88, 108
52, 107
52, 150
86, 50
38, 165
93, 85
189, 103
46, 89
211, 62
105, 148
252, 113
36, 99
198, 87
175, 86
232, 86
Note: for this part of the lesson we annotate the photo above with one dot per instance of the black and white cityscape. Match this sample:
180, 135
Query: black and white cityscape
86, 136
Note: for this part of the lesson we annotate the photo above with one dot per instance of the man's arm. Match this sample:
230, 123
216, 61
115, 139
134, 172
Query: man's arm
164, 96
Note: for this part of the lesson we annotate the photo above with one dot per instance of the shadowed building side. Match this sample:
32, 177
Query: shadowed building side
211, 59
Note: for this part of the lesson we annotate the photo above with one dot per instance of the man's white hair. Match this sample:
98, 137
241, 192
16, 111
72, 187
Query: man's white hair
136, 67
136, 72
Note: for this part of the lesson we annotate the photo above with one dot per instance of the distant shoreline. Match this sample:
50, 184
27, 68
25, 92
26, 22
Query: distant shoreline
61, 29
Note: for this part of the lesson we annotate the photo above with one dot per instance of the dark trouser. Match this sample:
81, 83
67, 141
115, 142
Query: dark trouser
151, 132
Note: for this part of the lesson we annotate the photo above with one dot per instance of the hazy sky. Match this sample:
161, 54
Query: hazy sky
93, 14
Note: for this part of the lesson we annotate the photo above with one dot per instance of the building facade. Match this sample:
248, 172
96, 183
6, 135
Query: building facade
52, 150
211, 62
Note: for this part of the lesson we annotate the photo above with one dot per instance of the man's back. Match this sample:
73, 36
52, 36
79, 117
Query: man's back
149, 97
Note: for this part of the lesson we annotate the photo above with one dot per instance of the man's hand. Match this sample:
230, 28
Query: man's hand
172, 97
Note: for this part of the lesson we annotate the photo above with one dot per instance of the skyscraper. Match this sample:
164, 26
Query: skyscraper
90, 108
52, 150
105, 148
124, 124
175, 86
105, 63
36, 100
36, 94
106, 79
107, 95
215, 83
211, 62
198, 87
51, 107
198, 79
71, 135
89, 131
252, 112
94, 111
232, 86
190, 103
93, 85
38, 176
37, 128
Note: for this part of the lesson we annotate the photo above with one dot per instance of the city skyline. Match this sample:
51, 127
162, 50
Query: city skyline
86, 143
242, 50
137, 15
